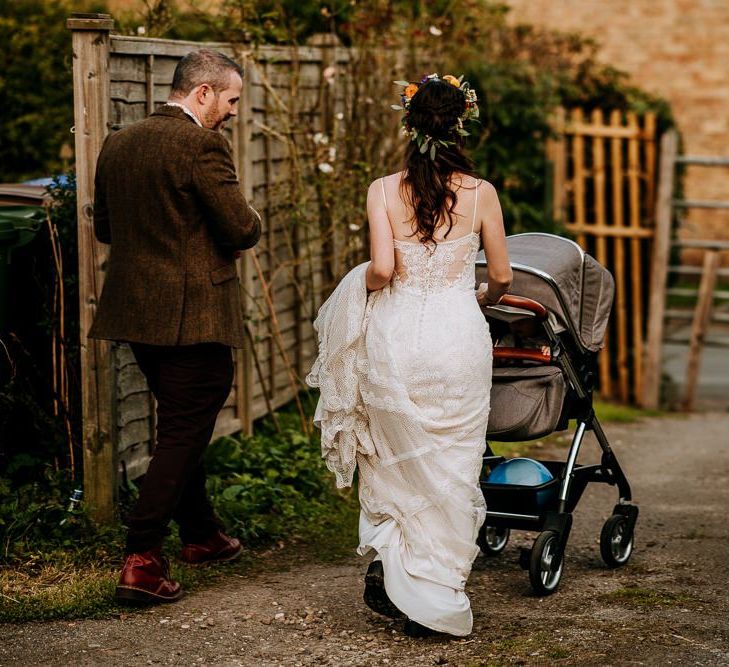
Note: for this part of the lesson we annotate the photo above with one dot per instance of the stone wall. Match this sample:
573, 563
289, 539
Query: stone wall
678, 49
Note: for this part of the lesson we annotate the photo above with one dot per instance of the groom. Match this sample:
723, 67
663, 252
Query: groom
169, 202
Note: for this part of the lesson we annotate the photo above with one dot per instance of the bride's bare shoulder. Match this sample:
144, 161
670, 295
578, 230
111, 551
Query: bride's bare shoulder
389, 179
469, 182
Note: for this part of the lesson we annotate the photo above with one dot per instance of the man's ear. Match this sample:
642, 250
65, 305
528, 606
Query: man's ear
203, 93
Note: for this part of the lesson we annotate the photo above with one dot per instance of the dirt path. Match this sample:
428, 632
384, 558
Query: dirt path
670, 605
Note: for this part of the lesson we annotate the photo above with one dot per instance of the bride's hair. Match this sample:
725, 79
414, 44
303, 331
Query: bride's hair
434, 111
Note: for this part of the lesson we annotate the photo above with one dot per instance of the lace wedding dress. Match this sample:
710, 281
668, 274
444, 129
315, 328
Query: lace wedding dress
425, 380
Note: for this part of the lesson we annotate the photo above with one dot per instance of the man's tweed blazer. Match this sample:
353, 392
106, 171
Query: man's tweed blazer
168, 201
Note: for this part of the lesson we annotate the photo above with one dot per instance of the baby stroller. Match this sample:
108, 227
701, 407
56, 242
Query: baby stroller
560, 302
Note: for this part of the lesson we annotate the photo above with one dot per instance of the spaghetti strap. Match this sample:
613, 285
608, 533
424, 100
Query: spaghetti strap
475, 207
384, 196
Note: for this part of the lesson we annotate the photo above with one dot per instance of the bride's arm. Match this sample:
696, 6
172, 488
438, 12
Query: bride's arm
494, 244
382, 248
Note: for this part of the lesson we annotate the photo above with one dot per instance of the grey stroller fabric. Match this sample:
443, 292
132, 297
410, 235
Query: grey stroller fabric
557, 273
526, 403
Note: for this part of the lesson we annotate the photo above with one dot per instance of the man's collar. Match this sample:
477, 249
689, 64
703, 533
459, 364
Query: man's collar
186, 110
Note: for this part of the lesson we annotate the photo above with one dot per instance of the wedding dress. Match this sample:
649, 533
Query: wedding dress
406, 394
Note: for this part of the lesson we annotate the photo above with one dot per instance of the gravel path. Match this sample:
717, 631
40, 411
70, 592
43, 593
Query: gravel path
670, 605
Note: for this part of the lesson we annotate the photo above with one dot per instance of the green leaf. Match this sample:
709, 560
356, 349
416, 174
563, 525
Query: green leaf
396, 107
402, 83
232, 492
432, 152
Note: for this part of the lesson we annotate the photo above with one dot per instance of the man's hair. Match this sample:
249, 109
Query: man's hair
203, 66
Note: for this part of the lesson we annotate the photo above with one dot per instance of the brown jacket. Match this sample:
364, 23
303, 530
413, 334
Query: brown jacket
168, 201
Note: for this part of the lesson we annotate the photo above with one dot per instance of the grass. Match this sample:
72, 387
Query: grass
622, 414
645, 598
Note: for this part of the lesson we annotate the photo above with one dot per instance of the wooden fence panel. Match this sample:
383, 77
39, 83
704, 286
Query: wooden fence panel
604, 192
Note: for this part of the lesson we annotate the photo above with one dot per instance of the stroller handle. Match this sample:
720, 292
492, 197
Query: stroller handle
513, 301
506, 354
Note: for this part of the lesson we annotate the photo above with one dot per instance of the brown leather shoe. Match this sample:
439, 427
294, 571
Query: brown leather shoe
145, 579
218, 548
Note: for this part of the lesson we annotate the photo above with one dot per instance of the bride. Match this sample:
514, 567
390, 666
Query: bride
404, 367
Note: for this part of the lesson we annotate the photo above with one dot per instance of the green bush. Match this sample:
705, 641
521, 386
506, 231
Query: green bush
274, 485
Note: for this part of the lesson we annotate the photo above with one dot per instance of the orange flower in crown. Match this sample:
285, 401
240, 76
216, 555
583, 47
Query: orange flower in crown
426, 142
410, 90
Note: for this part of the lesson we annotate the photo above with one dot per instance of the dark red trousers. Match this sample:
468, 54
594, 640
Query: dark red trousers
191, 384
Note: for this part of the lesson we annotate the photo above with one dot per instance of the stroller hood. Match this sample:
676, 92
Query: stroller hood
556, 272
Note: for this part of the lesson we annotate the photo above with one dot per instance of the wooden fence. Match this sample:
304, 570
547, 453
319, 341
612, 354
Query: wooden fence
604, 193
119, 80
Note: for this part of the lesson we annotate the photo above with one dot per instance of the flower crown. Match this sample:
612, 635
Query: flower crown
425, 142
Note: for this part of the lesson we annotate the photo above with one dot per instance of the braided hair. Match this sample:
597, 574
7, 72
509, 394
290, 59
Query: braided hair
434, 110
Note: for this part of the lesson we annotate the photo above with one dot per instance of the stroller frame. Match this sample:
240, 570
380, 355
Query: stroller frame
554, 518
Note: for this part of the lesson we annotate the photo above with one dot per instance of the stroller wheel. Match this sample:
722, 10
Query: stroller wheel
616, 541
544, 570
492, 540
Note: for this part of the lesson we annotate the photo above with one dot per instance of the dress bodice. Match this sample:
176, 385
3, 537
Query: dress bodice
437, 266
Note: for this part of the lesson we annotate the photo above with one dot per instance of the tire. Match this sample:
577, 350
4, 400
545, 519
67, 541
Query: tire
492, 541
616, 541
543, 577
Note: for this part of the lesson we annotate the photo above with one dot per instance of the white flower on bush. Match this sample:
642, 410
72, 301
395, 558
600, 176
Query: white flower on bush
325, 168
332, 153
329, 73
340, 116
321, 138
354, 227
436, 32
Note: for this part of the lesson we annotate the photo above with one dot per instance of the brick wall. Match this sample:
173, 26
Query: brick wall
678, 49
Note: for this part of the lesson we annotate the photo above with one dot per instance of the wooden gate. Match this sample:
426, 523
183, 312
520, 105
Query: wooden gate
604, 193
693, 301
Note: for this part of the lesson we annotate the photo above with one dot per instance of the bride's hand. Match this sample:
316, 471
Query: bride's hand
482, 295
481, 292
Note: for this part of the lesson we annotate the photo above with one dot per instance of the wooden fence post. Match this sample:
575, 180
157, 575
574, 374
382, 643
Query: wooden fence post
556, 147
702, 315
91, 113
244, 357
650, 394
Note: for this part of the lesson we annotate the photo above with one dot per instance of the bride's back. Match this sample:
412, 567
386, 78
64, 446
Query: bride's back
445, 260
